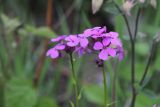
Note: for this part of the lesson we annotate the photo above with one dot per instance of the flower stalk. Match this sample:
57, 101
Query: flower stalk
153, 49
75, 80
133, 41
105, 86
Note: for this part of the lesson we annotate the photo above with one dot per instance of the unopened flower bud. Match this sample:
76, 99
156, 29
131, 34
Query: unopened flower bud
153, 3
142, 1
127, 6
99, 62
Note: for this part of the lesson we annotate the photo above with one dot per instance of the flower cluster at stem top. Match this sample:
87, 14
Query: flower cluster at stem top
93, 40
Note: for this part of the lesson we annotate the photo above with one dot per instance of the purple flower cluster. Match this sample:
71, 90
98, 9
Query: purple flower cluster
96, 39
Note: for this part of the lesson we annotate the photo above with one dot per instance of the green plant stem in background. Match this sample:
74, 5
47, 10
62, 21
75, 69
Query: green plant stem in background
114, 83
136, 23
105, 87
134, 94
74, 81
132, 40
133, 74
153, 48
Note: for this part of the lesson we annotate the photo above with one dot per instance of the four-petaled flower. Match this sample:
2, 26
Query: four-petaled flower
54, 52
72, 40
83, 40
104, 48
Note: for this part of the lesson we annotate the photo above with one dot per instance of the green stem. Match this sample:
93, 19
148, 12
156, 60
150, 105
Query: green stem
75, 80
105, 87
154, 45
132, 40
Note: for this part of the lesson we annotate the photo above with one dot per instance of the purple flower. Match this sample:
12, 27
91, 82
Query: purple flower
105, 50
107, 43
72, 40
81, 50
114, 38
109, 46
154, 105
83, 40
95, 32
120, 53
54, 52
59, 38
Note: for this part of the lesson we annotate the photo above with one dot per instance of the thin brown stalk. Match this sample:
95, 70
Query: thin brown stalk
49, 20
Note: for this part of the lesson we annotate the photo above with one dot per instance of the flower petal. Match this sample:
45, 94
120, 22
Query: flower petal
120, 53
60, 47
111, 52
103, 55
114, 34
106, 41
71, 44
53, 53
102, 30
116, 42
57, 39
88, 32
97, 28
97, 46
80, 51
72, 40
83, 42
121, 56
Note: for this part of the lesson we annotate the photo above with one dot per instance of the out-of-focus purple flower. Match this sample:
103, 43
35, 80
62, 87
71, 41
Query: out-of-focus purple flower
120, 53
59, 38
83, 40
81, 50
95, 32
114, 38
154, 105
54, 52
72, 40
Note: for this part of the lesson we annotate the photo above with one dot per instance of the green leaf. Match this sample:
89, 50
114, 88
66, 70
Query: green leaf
157, 61
41, 31
46, 102
109, 7
138, 87
150, 29
72, 104
118, 25
9, 24
94, 93
19, 93
142, 48
86, 21
145, 100
80, 94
